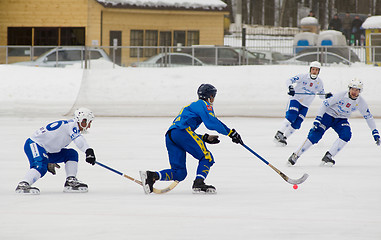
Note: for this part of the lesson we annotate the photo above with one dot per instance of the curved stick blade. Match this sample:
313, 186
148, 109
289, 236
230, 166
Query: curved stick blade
298, 181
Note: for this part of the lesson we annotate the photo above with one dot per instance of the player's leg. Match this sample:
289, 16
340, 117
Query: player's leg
38, 163
343, 129
70, 157
286, 126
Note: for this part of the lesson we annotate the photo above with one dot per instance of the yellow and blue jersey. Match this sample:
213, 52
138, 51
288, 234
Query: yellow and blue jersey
196, 113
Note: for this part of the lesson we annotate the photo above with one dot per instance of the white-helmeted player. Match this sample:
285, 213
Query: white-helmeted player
302, 89
47, 147
334, 113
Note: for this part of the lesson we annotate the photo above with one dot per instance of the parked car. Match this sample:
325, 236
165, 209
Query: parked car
324, 57
64, 56
169, 60
344, 52
269, 57
221, 55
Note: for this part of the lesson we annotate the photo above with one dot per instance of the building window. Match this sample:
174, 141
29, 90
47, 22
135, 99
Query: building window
150, 39
165, 39
179, 38
46, 36
136, 39
193, 38
19, 36
72, 36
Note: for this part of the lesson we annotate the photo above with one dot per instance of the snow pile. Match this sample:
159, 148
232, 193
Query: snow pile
372, 22
205, 4
257, 90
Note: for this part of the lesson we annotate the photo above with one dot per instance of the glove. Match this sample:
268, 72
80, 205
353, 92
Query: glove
52, 168
236, 138
90, 156
291, 90
328, 95
211, 139
317, 122
376, 137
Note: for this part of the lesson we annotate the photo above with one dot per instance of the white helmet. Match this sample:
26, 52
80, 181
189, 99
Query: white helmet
356, 83
315, 64
83, 113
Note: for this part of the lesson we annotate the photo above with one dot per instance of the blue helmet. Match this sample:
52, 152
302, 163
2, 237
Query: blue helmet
205, 91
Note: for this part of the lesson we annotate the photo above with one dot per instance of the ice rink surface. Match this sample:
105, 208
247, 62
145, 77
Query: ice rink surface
253, 201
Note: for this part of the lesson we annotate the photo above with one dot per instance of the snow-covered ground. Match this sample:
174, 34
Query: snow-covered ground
253, 202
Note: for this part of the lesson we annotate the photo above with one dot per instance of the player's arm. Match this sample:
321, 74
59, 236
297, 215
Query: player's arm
364, 110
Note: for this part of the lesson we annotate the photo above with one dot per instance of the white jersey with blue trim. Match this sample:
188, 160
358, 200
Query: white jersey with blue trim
59, 134
303, 83
340, 105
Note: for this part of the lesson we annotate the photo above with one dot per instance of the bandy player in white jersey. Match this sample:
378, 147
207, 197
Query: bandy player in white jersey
334, 114
302, 89
47, 147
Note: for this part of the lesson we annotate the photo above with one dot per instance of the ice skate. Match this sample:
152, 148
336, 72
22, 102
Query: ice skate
280, 139
292, 159
148, 179
200, 187
327, 160
73, 185
25, 188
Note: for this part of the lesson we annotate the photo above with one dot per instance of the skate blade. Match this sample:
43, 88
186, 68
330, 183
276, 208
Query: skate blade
143, 177
199, 191
279, 144
79, 190
328, 164
28, 192
290, 164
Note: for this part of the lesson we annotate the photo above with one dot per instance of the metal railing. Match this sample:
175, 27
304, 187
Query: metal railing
198, 55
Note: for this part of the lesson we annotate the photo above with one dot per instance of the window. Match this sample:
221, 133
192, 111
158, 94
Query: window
179, 38
150, 40
165, 39
193, 38
19, 36
72, 36
136, 39
45, 36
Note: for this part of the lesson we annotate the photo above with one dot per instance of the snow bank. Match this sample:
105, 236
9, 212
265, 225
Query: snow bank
242, 90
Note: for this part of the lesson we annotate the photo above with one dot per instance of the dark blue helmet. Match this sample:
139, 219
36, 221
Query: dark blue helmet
205, 91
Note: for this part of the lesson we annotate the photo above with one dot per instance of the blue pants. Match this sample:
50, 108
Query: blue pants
39, 158
340, 125
296, 113
182, 141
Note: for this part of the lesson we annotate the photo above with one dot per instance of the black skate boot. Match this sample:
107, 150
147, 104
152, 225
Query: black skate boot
280, 139
25, 188
73, 185
327, 160
200, 187
148, 179
292, 159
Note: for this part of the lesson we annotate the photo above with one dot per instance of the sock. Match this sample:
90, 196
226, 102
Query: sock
71, 168
285, 125
289, 131
337, 146
32, 176
304, 147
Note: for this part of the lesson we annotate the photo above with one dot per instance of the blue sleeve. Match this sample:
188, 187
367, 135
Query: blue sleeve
211, 122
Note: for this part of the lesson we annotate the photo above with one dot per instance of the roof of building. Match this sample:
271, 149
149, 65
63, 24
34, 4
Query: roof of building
372, 22
167, 4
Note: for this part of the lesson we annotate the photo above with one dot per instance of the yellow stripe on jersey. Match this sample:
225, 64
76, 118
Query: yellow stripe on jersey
200, 144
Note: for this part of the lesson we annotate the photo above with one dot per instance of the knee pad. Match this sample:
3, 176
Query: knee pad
41, 167
179, 174
315, 135
345, 136
291, 116
71, 155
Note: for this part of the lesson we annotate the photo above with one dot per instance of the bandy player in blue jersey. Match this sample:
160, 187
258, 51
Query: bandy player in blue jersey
302, 89
181, 139
47, 147
334, 114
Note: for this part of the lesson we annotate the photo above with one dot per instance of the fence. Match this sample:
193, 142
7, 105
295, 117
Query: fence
258, 50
